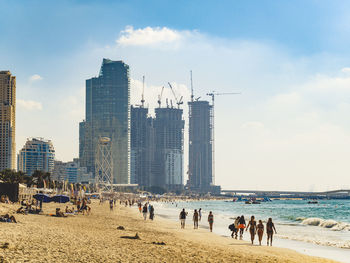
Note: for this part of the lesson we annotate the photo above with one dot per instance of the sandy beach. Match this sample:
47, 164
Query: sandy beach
95, 238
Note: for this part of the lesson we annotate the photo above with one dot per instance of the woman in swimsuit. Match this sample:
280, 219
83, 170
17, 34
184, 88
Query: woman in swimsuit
211, 221
270, 227
252, 228
260, 228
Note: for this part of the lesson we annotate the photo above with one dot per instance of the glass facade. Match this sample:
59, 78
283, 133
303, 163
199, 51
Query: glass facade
108, 115
37, 154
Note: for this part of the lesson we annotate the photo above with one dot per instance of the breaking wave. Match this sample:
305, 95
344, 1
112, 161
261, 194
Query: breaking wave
326, 223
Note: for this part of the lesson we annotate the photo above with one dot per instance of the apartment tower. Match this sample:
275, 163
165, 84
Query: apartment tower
7, 120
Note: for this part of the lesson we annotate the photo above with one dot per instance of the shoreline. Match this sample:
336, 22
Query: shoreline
95, 238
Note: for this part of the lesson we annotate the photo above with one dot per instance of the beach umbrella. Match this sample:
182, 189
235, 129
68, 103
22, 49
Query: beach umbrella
42, 197
60, 198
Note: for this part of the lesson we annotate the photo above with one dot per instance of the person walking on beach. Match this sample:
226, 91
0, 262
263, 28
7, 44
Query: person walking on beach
195, 219
151, 212
140, 207
241, 226
200, 214
252, 228
111, 204
182, 217
270, 227
211, 221
235, 232
144, 211
260, 228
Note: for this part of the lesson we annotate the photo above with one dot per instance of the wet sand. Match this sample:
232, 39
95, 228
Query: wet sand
95, 238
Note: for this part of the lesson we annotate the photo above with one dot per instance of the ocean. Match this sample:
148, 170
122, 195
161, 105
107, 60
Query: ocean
326, 224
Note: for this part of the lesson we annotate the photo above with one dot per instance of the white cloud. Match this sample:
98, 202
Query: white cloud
345, 70
149, 36
29, 105
35, 77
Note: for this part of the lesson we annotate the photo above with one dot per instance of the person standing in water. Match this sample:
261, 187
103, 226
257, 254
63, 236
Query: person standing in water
252, 228
260, 228
200, 214
211, 221
195, 219
182, 217
270, 227
241, 226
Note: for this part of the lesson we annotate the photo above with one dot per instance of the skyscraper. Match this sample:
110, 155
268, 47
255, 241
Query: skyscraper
200, 146
7, 120
108, 115
36, 154
142, 146
168, 164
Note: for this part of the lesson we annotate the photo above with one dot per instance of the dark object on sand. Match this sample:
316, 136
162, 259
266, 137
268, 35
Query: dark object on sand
42, 197
121, 228
159, 243
131, 237
5, 245
60, 198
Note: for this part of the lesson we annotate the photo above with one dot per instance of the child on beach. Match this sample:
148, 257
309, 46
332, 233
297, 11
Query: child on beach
195, 219
211, 221
252, 228
269, 230
260, 228
182, 217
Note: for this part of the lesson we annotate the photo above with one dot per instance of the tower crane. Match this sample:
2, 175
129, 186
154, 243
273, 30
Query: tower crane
212, 95
178, 102
143, 90
160, 97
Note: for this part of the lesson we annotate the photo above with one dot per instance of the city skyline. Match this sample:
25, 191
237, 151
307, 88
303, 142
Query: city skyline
289, 128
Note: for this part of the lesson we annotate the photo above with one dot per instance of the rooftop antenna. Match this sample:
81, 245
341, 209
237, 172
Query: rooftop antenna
143, 90
191, 88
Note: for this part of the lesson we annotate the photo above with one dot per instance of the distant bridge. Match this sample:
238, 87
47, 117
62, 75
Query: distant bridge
291, 194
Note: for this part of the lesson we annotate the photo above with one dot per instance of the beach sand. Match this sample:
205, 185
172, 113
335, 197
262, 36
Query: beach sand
95, 238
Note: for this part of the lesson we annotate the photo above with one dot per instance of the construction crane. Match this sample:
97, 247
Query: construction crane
178, 102
160, 97
192, 96
212, 95
143, 90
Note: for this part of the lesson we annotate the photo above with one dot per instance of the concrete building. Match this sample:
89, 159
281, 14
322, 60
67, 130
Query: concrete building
36, 154
71, 172
142, 146
168, 163
108, 115
200, 146
7, 120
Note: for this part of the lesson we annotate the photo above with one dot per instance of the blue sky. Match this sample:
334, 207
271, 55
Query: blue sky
290, 60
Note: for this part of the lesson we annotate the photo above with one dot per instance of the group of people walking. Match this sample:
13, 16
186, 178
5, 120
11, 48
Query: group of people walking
197, 216
254, 228
145, 209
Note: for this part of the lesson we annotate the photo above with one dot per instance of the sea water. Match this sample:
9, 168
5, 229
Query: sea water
326, 223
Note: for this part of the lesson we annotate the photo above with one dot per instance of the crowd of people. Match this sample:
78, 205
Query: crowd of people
146, 209
197, 216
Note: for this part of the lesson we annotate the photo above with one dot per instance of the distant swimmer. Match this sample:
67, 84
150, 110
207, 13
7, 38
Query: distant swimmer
270, 227
260, 228
182, 217
211, 221
241, 226
195, 219
252, 228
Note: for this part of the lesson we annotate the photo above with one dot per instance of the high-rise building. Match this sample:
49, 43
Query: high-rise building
7, 120
142, 146
36, 154
71, 172
168, 163
108, 115
200, 146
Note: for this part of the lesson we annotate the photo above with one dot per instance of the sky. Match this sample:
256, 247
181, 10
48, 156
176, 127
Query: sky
289, 129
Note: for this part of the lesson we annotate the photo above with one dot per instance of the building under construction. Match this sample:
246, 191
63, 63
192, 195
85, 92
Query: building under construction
201, 170
142, 146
